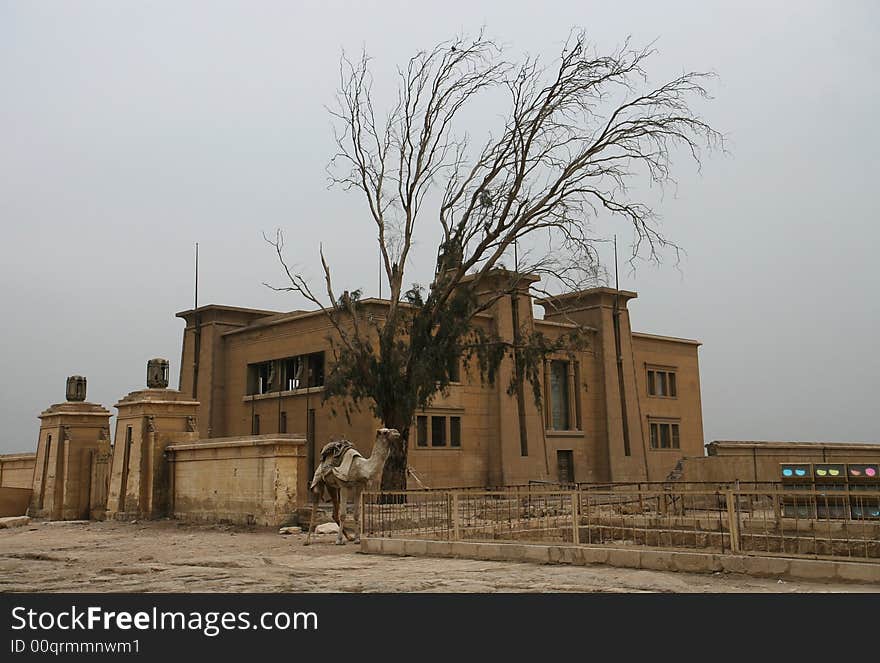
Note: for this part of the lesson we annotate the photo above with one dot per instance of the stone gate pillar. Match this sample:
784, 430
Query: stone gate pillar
73, 437
148, 421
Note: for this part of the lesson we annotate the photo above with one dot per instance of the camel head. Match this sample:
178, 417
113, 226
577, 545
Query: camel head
390, 435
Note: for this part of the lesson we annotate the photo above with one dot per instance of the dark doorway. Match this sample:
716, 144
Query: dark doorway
565, 466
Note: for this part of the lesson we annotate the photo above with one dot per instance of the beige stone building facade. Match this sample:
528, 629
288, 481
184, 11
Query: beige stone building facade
625, 408
237, 441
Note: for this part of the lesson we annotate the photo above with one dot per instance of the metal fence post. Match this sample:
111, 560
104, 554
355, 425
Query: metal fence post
575, 518
732, 522
455, 528
361, 515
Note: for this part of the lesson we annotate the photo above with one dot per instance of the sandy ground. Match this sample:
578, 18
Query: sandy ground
168, 556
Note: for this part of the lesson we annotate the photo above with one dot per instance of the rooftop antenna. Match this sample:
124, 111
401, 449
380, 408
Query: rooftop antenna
619, 352
196, 303
197, 332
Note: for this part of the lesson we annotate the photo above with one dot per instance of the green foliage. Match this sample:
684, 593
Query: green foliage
398, 366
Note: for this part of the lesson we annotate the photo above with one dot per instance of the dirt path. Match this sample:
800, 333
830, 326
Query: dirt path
168, 556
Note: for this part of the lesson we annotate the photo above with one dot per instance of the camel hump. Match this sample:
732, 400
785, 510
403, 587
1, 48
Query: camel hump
335, 450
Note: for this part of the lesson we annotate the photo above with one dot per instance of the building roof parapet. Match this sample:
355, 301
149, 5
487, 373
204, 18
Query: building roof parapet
75, 408
8, 458
582, 299
156, 396
780, 444
290, 439
669, 339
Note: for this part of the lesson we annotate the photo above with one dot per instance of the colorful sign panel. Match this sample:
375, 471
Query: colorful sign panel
829, 472
864, 471
796, 471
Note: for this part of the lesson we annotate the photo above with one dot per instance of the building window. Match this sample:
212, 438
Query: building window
303, 371
662, 383
560, 415
316, 369
454, 431
282, 423
438, 431
255, 425
292, 373
455, 370
665, 435
260, 377
422, 431
286, 374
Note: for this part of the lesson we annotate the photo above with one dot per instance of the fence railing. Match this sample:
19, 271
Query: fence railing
818, 524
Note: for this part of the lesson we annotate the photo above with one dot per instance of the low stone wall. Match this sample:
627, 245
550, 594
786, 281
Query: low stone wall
17, 470
632, 558
14, 501
253, 480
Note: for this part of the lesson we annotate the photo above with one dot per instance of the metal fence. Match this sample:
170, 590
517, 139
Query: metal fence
833, 525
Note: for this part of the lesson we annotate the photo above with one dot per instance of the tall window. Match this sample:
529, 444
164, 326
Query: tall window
422, 431
455, 370
282, 423
560, 416
316, 369
438, 431
454, 431
255, 425
665, 435
662, 383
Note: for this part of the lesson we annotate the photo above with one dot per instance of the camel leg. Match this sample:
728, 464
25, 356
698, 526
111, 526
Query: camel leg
339, 516
351, 491
312, 521
356, 493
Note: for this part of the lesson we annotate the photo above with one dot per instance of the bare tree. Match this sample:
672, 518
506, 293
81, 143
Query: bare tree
575, 135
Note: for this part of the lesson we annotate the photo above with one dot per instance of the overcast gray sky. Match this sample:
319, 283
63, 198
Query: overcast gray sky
131, 130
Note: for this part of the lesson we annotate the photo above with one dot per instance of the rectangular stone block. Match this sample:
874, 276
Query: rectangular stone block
657, 560
811, 569
857, 572
539, 554
696, 562
628, 559
734, 564
594, 555
767, 566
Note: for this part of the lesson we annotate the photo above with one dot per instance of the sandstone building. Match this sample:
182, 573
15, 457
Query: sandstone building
626, 408
237, 440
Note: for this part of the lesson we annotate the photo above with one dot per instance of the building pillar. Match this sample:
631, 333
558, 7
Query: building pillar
148, 421
74, 438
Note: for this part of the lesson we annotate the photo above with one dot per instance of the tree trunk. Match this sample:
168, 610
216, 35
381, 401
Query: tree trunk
394, 473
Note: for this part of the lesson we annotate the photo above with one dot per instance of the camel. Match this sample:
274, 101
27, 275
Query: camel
360, 472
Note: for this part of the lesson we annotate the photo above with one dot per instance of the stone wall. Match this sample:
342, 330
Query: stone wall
17, 470
256, 480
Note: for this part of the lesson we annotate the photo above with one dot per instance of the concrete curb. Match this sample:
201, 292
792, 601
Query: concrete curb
631, 558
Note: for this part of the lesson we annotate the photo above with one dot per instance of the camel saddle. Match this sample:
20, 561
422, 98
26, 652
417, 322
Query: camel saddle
336, 459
